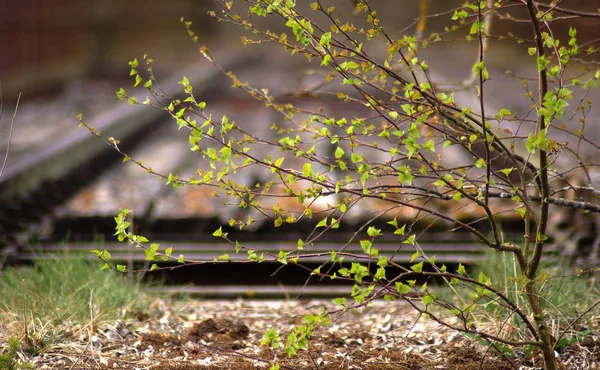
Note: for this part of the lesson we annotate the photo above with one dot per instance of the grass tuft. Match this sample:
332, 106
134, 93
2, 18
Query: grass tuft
9, 358
62, 296
568, 295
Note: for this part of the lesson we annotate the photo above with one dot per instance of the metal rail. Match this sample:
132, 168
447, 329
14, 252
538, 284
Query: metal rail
444, 252
253, 291
32, 187
269, 279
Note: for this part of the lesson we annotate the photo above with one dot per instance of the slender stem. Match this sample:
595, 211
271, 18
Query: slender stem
488, 160
532, 267
558, 9
10, 131
543, 156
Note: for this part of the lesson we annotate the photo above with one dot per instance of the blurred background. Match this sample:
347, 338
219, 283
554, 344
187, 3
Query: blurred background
67, 57
46, 44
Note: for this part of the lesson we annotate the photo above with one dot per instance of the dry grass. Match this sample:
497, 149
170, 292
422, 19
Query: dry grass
66, 313
60, 300
195, 334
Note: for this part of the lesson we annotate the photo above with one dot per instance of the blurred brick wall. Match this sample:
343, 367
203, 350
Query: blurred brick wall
42, 37
46, 40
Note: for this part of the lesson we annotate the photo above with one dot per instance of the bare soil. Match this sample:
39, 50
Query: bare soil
196, 334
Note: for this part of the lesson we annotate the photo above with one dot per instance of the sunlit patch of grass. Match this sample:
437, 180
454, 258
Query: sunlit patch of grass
64, 296
567, 295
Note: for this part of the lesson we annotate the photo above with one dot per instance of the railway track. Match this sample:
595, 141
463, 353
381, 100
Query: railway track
32, 187
265, 280
38, 190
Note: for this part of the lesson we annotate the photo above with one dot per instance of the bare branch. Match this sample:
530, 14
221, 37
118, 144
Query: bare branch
10, 131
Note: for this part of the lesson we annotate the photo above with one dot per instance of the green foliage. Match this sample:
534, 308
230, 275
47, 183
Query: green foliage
298, 338
414, 125
577, 338
9, 359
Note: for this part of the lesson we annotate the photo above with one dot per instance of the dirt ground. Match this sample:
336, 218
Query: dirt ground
199, 334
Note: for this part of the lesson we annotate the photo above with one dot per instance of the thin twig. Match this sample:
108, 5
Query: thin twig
569, 11
312, 360
10, 131
575, 321
586, 206
91, 304
226, 352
